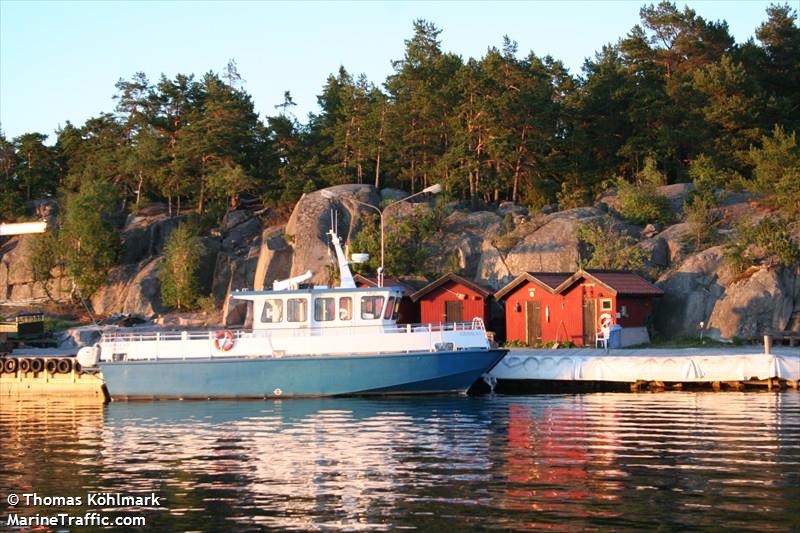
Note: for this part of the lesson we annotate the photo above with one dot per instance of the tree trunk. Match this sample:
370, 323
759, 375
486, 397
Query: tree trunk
139, 188
380, 149
518, 164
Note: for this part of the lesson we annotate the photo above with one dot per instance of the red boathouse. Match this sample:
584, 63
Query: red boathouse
557, 306
453, 298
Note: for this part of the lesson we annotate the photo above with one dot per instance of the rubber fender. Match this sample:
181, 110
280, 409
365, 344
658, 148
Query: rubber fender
64, 366
37, 364
10, 365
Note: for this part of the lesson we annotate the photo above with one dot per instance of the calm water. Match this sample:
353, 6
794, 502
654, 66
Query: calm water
668, 461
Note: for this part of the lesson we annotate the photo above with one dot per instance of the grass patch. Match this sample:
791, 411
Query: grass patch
682, 342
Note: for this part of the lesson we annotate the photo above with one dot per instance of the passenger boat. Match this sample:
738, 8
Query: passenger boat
304, 342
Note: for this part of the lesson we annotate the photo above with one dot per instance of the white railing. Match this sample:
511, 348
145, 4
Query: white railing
184, 335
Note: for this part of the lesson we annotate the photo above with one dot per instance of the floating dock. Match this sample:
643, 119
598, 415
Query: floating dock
735, 367
50, 375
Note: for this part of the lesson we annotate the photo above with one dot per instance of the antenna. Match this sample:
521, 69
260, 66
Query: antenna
345, 276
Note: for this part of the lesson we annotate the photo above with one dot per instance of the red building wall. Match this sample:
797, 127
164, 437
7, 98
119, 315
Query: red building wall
565, 313
638, 310
432, 305
565, 321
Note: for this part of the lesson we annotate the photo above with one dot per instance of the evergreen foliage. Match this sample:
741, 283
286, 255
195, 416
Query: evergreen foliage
45, 256
607, 248
506, 126
179, 272
703, 219
674, 99
768, 242
409, 242
640, 202
777, 171
88, 238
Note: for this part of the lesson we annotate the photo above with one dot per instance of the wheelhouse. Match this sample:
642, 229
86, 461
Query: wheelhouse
323, 307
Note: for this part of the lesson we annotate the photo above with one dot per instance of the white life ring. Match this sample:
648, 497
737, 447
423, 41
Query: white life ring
606, 320
223, 340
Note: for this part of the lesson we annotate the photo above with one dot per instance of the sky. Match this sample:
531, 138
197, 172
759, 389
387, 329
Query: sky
59, 60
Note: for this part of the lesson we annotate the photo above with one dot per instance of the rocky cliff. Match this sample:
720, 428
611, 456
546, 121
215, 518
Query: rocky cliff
491, 247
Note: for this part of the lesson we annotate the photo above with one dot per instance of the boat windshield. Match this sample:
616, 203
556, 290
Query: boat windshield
371, 307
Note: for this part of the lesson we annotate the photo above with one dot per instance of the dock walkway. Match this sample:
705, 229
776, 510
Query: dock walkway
658, 366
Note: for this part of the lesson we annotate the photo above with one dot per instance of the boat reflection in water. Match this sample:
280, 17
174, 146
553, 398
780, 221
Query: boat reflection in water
613, 461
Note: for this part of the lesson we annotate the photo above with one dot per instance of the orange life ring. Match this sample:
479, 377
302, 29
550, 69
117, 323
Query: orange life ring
223, 340
606, 320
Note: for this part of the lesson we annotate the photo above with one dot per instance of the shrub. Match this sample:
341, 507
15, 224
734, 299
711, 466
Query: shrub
641, 203
777, 171
703, 219
770, 241
606, 248
178, 274
44, 258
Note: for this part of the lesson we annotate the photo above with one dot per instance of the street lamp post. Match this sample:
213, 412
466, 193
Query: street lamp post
433, 189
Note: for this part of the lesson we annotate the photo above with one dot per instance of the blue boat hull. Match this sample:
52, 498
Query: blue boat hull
408, 373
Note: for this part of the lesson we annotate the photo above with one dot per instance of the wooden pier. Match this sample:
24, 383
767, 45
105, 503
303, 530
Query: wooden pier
44, 383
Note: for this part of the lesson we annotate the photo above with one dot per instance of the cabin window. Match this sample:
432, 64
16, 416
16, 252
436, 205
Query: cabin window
371, 307
389, 308
605, 304
345, 308
272, 312
324, 309
296, 309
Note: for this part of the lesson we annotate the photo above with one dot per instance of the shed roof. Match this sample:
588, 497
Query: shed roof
548, 280
483, 291
387, 282
621, 282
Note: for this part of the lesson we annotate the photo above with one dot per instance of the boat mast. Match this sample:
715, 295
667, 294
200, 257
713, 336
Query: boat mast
346, 280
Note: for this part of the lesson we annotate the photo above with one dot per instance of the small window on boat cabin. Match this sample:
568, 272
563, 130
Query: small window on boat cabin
371, 307
324, 309
272, 312
345, 308
605, 304
389, 308
296, 309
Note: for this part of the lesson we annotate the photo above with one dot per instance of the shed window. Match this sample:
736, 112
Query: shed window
296, 309
345, 308
272, 312
371, 307
605, 304
324, 309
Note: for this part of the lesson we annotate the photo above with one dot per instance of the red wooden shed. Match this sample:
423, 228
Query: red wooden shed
557, 306
534, 310
453, 298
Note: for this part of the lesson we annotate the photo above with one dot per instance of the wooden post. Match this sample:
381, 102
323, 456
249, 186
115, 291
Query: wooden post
767, 343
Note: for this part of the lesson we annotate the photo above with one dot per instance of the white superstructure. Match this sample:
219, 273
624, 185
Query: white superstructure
296, 321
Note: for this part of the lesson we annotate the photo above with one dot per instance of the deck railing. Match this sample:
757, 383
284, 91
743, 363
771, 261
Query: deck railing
186, 335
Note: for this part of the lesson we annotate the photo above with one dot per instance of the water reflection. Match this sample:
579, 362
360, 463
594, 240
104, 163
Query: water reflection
595, 461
